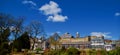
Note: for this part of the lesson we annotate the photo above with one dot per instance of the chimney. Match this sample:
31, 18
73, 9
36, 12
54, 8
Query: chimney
77, 35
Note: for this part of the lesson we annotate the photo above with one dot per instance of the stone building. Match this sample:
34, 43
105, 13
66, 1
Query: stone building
38, 43
116, 43
108, 45
97, 43
67, 40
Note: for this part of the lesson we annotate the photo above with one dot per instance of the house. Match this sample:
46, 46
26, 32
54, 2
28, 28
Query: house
88, 42
116, 42
67, 40
38, 43
108, 45
97, 43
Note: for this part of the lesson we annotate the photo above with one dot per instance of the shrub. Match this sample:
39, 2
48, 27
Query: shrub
72, 51
38, 49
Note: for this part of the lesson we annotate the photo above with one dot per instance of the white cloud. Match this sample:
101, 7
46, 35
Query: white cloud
53, 11
98, 34
51, 33
29, 2
51, 8
117, 14
57, 18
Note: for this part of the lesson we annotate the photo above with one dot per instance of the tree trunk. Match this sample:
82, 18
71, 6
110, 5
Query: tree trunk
33, 44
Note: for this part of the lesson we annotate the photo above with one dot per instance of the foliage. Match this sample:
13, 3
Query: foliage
38, 49
72, 51
5, 22
115, 51
103, 52
22, 42
13, 27
47, 51
54, 40
4, 47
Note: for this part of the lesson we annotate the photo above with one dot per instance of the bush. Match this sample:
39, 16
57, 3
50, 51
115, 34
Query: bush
72, 51
115, 51
38, 49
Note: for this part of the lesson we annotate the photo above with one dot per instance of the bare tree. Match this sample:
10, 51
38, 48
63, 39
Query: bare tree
35, 29
17, 27
54, 40
6, 21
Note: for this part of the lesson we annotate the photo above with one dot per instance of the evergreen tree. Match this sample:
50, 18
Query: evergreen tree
4, 47
22, 42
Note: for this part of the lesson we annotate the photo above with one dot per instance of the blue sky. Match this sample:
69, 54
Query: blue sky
88, 17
